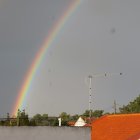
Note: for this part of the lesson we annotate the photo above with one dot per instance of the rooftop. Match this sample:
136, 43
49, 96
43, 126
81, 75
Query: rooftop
116, 127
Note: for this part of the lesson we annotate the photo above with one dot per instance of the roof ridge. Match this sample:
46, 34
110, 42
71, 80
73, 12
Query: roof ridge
130, 114
115, 115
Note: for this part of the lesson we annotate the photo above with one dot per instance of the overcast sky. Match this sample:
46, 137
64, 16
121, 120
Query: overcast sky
102, 36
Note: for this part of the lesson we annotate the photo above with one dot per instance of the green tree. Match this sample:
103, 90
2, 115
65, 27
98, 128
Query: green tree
74, 117
65, 118
32, 122
45, 119
38, 119
132, 107
45, 116
96, 113
86, 113
22, 118
2, 123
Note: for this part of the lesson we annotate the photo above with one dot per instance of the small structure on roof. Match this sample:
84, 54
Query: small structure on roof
80, 122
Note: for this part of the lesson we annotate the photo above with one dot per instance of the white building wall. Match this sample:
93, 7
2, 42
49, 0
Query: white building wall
45, 133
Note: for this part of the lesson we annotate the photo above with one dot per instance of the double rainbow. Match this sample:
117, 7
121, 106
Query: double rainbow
40, 55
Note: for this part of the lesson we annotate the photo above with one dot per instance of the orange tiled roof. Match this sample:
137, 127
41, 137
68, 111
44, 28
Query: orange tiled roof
116, 127
71, 123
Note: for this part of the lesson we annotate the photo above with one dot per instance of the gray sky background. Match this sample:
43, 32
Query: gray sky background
101, 36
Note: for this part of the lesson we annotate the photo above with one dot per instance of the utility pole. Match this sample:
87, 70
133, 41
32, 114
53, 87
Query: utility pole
115, 107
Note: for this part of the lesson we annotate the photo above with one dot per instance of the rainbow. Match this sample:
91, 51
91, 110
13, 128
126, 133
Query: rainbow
24, 91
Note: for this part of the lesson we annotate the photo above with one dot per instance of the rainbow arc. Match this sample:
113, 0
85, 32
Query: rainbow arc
24, 91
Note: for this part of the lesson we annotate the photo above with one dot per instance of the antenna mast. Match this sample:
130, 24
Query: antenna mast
90, 92
90, 88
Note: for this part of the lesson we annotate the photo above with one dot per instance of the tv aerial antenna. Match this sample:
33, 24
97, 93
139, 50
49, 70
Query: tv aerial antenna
90, 77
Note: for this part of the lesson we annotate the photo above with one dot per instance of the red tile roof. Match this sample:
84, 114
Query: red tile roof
71, 123
116, 127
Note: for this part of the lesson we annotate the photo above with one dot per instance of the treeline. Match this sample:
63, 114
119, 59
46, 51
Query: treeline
22, 118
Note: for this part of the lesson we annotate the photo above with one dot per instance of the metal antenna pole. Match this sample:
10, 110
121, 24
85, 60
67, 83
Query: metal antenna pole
90, 87
90, 92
